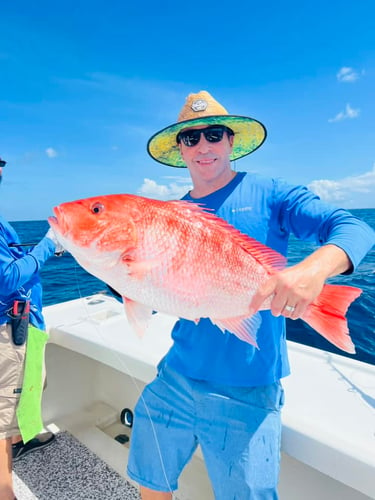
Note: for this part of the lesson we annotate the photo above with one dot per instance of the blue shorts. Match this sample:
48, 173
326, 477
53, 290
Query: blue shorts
238, 429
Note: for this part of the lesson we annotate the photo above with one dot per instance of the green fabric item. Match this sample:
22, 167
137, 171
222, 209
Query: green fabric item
29, 411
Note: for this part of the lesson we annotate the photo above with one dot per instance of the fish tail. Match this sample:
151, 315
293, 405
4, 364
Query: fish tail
327, 315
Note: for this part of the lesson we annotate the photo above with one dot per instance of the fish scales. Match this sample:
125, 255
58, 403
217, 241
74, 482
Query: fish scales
206, 267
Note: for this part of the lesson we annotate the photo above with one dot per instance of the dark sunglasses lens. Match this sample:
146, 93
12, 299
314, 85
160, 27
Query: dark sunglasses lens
191, 137
214, 134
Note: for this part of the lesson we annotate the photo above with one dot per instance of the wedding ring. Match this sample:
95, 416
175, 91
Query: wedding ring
289, 308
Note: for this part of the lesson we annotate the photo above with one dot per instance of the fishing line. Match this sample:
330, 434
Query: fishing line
132, 378
23, 244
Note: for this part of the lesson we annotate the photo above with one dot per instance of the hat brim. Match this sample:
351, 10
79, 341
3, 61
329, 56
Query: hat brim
249, 135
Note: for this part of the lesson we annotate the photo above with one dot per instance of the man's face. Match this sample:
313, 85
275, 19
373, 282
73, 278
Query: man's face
206, 159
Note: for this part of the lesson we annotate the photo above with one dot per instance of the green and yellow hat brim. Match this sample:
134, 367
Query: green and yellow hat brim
249, 135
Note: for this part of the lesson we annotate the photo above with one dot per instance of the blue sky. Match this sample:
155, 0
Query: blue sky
84, 84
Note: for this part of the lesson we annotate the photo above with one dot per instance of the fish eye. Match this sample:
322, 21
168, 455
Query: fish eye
97, 208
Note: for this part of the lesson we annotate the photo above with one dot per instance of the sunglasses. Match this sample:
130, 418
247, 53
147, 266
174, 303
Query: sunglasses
2, 163
214, 133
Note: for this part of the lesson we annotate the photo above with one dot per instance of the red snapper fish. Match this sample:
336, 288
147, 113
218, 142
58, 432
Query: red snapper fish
176, 258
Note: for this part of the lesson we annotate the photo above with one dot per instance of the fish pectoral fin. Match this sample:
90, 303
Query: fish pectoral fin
138, 315
245, 328
139, 269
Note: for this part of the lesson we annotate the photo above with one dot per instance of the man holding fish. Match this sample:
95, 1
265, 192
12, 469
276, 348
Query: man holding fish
216, 260
213, 389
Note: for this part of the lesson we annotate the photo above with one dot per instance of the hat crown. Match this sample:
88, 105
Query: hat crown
200, 105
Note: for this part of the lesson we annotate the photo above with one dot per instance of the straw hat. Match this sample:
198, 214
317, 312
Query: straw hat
203, 109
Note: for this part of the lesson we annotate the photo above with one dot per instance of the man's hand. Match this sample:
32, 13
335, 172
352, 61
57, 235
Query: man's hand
293, 289
59, 249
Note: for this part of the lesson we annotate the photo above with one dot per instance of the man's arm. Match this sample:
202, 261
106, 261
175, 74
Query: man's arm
15, 272
343, 241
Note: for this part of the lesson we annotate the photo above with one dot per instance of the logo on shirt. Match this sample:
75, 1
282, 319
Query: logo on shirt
242, 209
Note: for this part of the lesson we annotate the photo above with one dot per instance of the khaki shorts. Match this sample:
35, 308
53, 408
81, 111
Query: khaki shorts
12, 360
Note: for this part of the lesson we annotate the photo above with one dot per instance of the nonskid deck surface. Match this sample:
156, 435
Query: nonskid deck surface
67, 470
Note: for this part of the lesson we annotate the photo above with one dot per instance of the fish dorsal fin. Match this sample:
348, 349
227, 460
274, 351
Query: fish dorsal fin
267, 257
270, 259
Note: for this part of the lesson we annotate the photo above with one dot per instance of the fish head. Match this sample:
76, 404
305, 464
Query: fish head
97, 225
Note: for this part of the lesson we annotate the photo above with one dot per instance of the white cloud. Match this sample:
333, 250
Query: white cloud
349, 192
346, 74
344, 115
51, 153
172, 191
354, 191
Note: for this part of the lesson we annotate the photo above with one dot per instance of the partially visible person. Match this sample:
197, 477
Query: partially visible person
213, 389
20, 307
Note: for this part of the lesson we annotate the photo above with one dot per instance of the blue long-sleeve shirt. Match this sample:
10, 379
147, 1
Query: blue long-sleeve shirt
19, 273
268, 210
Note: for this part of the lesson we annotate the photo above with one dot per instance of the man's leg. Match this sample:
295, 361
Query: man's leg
239, 430
11, 374
163, 439
19, 448
6, 484
147, 494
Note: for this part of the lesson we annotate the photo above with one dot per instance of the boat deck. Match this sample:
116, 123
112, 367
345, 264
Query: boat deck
68, 470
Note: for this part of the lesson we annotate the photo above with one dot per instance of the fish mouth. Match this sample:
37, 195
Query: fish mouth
57, 222
53, 221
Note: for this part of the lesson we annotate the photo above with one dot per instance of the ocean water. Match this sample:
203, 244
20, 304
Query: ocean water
63, 279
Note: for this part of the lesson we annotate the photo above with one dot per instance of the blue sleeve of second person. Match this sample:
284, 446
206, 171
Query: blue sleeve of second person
15, 272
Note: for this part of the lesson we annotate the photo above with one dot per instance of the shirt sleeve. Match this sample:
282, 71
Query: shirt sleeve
15, 272
304, 214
